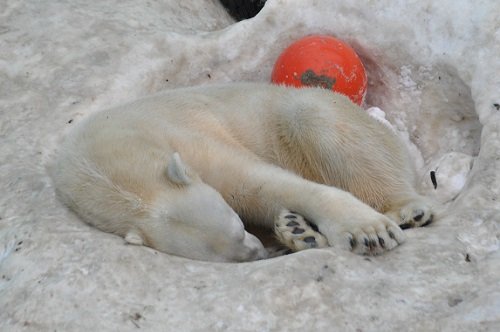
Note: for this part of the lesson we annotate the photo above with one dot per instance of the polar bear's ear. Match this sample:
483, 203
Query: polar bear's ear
177, 172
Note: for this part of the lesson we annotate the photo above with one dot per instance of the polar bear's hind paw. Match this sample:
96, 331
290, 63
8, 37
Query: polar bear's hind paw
298, 233
414, 215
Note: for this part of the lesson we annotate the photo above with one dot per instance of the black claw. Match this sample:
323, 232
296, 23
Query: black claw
290, 216
391, 235
429, 221
298, 230
313, 226
419, 215
373, 244
382, 242
366, 242
405, 226
292, 223
352, 242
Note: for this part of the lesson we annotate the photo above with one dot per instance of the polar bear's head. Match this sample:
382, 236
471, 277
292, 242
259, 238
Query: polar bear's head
194, 220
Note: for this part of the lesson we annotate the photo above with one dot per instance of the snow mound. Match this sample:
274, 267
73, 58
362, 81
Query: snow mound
433, 70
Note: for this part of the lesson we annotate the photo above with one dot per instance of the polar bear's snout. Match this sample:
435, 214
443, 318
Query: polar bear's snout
227, 240
253, 248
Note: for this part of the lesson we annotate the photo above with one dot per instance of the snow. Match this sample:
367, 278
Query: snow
433, 70
451, 172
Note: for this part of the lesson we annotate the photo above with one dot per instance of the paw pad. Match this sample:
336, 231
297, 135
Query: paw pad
298, 230
419, 214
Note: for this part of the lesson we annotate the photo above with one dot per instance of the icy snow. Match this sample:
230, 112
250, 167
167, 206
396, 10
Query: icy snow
433, 69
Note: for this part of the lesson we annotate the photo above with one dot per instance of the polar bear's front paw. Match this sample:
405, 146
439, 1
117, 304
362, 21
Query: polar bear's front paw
297, 233
374, 238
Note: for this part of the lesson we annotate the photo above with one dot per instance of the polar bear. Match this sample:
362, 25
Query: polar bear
183, 171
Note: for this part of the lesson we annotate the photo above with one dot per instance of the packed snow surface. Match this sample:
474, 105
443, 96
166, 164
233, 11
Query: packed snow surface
434, 75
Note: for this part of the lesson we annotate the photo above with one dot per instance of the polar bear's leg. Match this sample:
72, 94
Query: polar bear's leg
298, 233
347, 149
345, 221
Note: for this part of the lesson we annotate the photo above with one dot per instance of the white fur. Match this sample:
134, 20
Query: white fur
177, 171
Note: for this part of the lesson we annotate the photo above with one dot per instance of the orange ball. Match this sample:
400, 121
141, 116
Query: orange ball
322, 61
